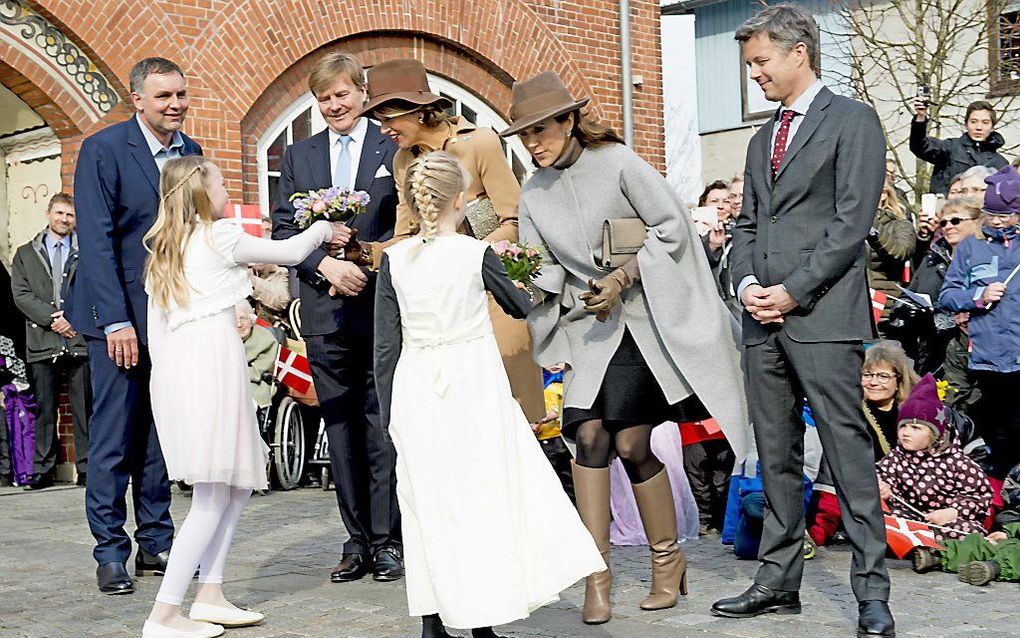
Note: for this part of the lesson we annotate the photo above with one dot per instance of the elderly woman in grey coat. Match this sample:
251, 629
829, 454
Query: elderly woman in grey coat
643, 344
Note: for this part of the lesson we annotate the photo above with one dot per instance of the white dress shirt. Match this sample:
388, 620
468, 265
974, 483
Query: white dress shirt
355, 146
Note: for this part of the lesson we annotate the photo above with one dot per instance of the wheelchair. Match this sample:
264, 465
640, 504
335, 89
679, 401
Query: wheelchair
284, 424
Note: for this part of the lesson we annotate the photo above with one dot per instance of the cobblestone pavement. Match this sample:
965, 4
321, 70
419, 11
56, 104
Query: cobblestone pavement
288, 541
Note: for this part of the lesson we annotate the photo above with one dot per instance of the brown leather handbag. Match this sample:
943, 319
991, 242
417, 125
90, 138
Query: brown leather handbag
621, 240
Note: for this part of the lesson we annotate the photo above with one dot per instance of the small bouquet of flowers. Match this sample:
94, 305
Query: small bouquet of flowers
522, 262
332, 204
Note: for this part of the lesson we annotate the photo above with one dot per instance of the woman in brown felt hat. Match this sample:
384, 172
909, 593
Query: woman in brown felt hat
645, 343
399, 97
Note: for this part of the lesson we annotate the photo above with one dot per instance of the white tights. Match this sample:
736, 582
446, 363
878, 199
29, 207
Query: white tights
204, 539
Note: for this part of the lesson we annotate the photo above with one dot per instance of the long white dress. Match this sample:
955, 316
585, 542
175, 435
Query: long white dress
201, 397
489, 535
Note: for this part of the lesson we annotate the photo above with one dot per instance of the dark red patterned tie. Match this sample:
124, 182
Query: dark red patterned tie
781, 138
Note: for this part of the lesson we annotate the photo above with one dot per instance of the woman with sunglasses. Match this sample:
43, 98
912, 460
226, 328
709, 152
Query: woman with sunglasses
978, 282
959, 219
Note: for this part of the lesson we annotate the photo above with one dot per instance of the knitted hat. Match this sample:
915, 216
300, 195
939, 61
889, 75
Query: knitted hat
924, 407
1003, 194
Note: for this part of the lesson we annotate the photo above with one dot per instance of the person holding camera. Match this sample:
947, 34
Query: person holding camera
717, 242
978, 146
891, 242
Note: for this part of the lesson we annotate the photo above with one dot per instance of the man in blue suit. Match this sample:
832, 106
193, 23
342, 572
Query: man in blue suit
116, 189
337, 315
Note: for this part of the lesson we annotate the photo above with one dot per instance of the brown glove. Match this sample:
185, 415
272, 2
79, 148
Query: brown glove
355, 251
605, 293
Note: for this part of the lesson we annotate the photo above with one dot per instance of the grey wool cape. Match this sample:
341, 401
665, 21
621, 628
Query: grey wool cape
674, 312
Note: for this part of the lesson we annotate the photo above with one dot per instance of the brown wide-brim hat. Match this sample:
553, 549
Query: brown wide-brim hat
537, 99
400, 81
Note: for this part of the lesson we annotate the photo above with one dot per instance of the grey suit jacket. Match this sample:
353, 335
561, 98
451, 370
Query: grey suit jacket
806, 228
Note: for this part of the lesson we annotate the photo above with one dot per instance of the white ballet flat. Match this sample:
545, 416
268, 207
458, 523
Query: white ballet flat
153, 630
224, 616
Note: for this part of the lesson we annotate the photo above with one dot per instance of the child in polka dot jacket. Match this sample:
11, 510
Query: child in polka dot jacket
928, 477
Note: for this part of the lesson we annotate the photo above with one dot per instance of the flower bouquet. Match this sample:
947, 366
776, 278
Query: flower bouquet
522, 263
331, 204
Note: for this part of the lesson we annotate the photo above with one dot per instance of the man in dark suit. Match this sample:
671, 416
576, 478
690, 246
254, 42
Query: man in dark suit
116, 189
337, 304
42, 274
812, 182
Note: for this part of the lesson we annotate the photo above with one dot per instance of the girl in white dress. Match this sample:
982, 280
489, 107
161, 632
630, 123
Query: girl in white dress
478, 499
201, 401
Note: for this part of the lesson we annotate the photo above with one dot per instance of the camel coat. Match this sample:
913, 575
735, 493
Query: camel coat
673, 312
479, 150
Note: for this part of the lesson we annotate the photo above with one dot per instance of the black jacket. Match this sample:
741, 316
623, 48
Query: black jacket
306, 167
33, 294
952, 157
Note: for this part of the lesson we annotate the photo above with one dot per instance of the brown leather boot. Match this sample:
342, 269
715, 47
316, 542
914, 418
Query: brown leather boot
669, 564
591, 485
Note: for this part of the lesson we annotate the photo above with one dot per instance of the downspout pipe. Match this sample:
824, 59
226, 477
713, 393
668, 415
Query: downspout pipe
627, 78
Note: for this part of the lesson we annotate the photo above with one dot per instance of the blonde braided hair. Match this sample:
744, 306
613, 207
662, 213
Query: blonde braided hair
434, 180
183, 205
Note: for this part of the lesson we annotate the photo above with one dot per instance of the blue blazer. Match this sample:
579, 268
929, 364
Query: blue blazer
305, 168
116, 197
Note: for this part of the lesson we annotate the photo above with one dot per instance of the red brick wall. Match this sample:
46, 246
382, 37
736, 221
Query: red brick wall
245, 58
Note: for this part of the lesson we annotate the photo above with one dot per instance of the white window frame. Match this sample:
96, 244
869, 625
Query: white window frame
486, 116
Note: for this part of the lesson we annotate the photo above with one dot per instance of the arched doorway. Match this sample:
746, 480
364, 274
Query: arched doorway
29, 172
302, 119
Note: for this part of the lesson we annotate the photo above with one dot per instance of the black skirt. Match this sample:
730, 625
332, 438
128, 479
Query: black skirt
630, 395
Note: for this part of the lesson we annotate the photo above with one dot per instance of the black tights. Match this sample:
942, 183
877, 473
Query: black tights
596, 445
432, 627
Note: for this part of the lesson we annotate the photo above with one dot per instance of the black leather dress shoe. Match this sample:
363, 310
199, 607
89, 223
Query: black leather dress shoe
758, 600
39, 482
351, 567
389, 565
147, 564
113, 579
875, 620
82, 479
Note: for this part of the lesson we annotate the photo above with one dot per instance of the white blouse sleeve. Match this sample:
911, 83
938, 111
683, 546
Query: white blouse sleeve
248, 249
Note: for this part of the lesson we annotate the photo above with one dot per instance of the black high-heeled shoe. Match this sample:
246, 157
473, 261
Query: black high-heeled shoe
484, 632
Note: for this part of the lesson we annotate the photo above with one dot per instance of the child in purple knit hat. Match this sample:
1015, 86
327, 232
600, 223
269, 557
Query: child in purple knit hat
928, 477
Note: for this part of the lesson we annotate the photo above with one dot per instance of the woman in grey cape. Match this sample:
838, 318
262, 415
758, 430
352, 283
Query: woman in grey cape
643, 344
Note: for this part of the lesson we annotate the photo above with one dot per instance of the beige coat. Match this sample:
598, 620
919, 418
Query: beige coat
479, 150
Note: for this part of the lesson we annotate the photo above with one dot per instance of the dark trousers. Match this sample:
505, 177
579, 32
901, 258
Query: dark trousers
560, 457
46, 378
997, 416
709, 465
123, 447
361, 456
780, 372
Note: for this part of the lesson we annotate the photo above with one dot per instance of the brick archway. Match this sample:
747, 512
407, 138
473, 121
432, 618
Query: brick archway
484, 47
234, 51
53, 102
490, 84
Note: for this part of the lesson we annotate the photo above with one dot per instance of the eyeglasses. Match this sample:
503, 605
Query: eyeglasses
884, 377
955, 221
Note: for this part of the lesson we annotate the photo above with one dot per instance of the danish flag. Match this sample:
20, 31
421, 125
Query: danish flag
903, 535
878, 299
249, 216
292, 370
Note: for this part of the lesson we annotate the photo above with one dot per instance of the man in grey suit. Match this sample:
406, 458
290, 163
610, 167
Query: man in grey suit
812, 184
